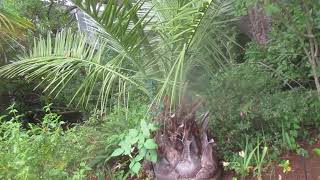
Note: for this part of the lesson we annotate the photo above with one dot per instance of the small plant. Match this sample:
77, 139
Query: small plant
317, 151
242, 163
138, 145
286, 167
259, 158
81, 172
302, 152
13, 112
289, 139
251, 159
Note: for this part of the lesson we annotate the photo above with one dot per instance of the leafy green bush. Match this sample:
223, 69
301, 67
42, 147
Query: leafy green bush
291, 51
108, 131
40, 152
232, 96
47, 151
138, 145
272, 95
284, 57
246, 101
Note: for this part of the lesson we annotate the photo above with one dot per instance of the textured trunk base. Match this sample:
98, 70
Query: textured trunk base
185, 151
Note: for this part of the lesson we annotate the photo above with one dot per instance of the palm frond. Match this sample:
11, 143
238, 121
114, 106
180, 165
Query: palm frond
212, 38
12, 29
177, 20
199, 29
12, 24
117, 22
70, 59
177, 23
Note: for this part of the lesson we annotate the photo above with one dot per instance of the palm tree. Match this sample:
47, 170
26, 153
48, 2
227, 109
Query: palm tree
183, 36
168, 45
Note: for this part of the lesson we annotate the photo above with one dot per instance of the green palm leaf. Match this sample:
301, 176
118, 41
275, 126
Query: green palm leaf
69, 59
12, 23
118, 23
193, 39
12, 28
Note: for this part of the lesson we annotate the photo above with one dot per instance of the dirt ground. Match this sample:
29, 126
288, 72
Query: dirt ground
302, 168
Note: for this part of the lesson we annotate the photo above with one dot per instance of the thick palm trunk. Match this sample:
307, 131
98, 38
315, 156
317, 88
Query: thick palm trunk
184, 148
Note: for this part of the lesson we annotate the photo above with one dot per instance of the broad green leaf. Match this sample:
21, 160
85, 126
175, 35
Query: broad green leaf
140, 156
150, 144
117, 152
145, 129
134, 140
141, 140
133, 133
126, 146
152, 127
136, 167
131, 164
152, 155
143, 151
127, 150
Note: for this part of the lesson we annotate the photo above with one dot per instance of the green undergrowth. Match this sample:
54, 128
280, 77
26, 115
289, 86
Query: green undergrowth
43, 151
251, 111
49, 151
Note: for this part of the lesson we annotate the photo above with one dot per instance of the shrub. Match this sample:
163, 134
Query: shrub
44, 151
246, 101
292, 43
108, 131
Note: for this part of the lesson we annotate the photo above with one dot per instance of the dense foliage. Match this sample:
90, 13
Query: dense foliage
259, 80
44, 151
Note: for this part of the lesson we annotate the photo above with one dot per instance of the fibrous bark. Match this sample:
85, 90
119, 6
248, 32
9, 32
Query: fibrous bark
185, 152
256, 25
260, 24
